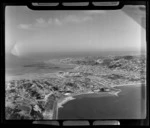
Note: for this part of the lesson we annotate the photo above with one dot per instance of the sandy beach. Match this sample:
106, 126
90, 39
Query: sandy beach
63, 101
60, 103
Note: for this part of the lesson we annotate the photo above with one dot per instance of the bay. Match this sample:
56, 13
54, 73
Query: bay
129, 104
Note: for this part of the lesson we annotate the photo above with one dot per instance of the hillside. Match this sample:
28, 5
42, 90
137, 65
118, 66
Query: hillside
35, 99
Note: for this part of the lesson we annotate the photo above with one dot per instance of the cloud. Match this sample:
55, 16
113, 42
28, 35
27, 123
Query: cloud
76, 19
57, 22
40, 22
50, 20
25, 26
95, 12
87, 18
69, 19
15, 50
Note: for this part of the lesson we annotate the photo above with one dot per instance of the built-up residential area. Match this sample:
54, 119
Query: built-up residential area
37, 98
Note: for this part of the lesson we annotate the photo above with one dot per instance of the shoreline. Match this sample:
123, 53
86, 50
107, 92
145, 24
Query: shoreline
63, 101
136, 84
72, 97
60, 103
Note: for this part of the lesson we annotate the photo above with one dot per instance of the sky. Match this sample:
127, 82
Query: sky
28, 31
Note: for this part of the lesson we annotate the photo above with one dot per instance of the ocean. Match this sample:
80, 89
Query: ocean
130, 104
33, 64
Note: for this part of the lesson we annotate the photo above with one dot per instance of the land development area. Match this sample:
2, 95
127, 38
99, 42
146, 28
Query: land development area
40, 98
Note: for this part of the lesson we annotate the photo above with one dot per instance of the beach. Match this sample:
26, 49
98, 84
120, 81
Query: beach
125, 106
63, 101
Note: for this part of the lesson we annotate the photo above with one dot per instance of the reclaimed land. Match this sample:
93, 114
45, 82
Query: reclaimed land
39, 96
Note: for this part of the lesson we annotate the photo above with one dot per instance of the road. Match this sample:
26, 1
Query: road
55, 111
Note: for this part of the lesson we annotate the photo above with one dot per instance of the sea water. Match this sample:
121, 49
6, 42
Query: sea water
129, 104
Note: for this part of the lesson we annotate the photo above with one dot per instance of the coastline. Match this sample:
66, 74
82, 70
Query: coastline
60, 104
63, 101
136, 84
126, 97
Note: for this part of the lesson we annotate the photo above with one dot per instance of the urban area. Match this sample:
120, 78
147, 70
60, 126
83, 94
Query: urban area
39, 98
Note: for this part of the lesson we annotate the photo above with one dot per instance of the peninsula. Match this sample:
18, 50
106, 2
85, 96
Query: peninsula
40, 98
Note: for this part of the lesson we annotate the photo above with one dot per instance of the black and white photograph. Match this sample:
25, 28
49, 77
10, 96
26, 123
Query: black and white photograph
75, 64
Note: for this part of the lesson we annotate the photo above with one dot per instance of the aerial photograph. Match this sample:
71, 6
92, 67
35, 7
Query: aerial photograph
75, 64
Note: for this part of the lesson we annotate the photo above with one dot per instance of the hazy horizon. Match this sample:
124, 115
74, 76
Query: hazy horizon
53, 57
29, 32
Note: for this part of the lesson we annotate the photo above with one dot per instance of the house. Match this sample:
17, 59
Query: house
97, 90
104, 89
67, 94
99, 61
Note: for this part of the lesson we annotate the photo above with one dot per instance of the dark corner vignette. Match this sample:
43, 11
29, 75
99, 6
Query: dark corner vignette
62, 6
91, 7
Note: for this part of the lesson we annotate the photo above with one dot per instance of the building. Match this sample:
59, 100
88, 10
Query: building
67, 94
